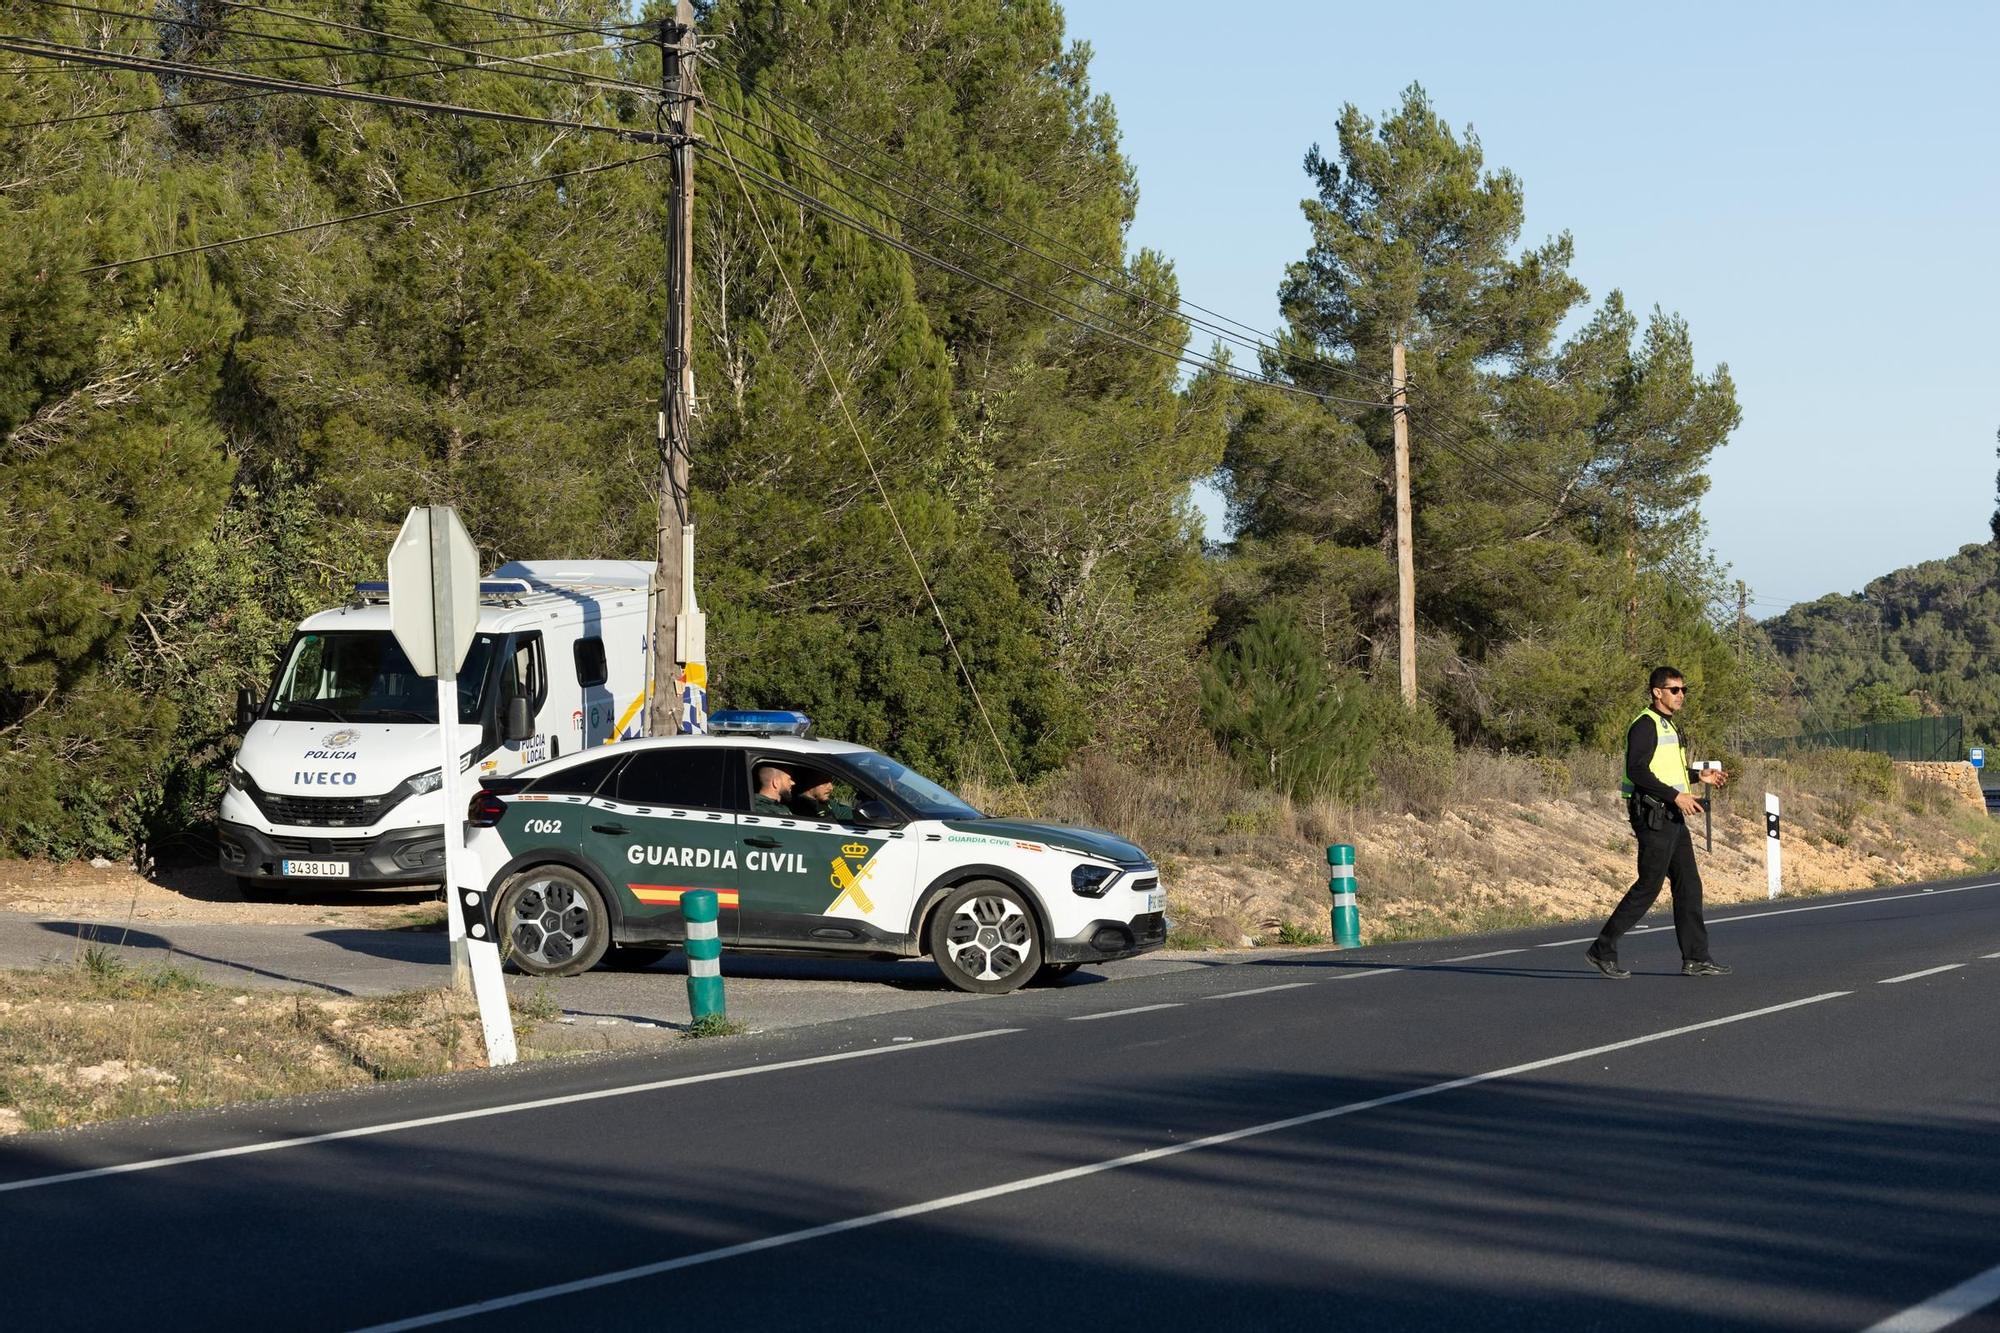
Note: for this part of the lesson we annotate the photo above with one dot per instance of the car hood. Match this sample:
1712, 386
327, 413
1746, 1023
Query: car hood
1068, 837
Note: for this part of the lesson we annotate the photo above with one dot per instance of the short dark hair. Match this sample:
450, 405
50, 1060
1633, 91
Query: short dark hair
1663, 674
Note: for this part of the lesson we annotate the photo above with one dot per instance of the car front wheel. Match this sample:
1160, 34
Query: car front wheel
984, 938
553, 922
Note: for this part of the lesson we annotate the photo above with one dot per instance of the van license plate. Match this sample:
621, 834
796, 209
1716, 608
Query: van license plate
1156, 901
316, 869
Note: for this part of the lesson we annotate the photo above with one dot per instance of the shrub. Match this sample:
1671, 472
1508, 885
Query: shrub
1415, 761
1292, 724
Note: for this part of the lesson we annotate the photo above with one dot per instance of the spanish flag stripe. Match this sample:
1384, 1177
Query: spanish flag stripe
665, 895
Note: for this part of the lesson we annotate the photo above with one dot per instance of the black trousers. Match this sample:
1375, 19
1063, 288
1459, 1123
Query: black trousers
1666, 855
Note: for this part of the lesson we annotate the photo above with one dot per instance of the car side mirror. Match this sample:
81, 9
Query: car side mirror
520, 719
246, 707
876, 814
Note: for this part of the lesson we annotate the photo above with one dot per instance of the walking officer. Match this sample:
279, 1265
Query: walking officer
1658, 802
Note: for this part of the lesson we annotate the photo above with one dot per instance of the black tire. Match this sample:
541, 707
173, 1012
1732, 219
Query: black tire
1053, 974
552, 922
984, 938
632, 957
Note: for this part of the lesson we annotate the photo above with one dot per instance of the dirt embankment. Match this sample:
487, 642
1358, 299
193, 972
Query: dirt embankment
117, 893
1499, 864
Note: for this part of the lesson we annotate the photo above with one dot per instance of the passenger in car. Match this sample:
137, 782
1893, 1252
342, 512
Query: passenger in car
774, 790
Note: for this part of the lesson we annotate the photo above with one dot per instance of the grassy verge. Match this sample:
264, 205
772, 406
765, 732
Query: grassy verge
99, 1041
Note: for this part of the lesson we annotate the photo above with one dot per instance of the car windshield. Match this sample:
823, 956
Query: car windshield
364, 676
923, 797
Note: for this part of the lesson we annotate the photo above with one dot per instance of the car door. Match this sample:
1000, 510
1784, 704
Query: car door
823, 880
666, 823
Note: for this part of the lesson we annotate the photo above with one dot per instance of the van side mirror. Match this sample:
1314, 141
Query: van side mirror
246, 707
876, 814
520, 719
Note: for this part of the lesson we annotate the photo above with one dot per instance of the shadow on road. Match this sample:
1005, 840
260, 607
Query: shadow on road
88, 932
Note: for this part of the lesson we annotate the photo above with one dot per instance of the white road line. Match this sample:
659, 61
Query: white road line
1261, 990
1363, 972
452, 1117
1990, 955
1912, 976
1787, 911
1058, 1177
1947, 1307
1475, 957
1120, 1013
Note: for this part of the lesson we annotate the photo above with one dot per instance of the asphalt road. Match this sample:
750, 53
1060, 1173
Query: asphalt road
1467, 1134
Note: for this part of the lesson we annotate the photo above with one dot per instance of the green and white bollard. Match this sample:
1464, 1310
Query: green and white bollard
699, 909
1346, 914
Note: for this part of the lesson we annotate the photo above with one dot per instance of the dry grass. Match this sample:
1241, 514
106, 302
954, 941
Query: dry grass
98, 1041
1517, 841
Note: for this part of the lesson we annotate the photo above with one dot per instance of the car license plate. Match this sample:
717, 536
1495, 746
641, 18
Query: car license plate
315, 869
1156, 901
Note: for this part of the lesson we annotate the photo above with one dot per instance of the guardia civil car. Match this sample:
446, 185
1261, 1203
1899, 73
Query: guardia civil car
592, 852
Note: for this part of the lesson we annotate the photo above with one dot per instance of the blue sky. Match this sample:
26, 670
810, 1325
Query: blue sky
1816, 188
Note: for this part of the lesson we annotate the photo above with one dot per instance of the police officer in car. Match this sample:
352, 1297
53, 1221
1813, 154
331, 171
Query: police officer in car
774, 790
812, 798
1658, 803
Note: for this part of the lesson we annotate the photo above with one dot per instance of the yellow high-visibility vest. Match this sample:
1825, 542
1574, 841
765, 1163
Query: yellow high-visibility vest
1669, 760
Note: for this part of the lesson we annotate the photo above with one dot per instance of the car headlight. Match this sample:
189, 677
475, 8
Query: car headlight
432, 778
1092, 881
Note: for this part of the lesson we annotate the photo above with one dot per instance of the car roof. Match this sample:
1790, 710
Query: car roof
795, 745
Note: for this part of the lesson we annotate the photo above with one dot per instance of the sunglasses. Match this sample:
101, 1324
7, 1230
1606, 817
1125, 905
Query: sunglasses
1675, 689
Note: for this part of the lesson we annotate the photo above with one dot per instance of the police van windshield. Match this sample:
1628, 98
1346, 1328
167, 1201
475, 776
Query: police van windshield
924, 798
364, 676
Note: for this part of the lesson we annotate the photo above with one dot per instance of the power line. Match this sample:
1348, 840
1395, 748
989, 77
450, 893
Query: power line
180, 103
110, 60
253, 34
855, 142
373, 213
964, 255
814, 202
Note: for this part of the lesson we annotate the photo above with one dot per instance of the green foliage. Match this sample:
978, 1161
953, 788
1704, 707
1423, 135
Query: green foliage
1293, 725
1299, 935
1415, 760
1546, 591
1919, 641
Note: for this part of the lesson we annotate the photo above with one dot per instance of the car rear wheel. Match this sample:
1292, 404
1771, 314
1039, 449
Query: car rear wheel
553, 921
984, 938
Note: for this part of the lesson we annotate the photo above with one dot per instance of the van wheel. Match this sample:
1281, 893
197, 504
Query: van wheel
984, 938
554, 922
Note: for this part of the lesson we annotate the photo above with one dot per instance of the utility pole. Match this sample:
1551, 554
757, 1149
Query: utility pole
1406, 565
679, 649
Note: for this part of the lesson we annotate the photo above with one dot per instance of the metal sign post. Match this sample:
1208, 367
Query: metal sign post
434, 611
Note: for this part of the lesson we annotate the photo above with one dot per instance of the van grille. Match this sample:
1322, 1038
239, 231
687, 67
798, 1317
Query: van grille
323, 846
323, 811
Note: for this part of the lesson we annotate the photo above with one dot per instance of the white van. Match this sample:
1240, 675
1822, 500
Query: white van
337, 779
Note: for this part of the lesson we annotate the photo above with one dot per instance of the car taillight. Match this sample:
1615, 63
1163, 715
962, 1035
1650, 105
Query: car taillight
485, 810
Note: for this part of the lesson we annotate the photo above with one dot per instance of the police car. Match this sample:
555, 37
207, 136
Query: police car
593, 852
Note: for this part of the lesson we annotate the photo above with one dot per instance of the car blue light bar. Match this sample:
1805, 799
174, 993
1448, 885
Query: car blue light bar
759, 722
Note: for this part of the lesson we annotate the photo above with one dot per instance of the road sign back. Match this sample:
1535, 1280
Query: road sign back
434, 589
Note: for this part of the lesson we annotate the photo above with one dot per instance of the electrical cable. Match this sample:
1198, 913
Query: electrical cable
373, 213
868, 457
110, 60
858, 143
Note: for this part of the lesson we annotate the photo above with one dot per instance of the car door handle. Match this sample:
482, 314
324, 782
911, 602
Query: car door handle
762, 842
609, 828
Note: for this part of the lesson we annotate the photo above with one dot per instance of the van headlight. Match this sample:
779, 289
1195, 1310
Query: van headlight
1091, 881
432, 778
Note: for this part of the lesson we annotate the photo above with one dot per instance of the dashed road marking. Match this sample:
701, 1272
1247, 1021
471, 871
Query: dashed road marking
1947, 1307
1475, 957
1912, 976
1261, 990
1120, 1013
1787, 911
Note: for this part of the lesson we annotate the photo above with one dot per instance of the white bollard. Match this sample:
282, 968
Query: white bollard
1774, 851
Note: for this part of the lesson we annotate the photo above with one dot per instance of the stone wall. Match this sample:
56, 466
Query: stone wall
1961, 779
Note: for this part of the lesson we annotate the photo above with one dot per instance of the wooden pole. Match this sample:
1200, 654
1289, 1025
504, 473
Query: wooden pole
676, 634
1406, 566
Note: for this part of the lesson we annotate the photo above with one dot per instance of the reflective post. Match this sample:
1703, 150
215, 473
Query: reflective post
1346, 914
699, 909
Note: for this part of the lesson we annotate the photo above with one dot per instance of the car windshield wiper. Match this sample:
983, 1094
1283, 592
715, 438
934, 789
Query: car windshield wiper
399, 714
292, 708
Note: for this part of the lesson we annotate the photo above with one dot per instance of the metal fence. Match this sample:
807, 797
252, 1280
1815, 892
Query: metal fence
1920, 739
